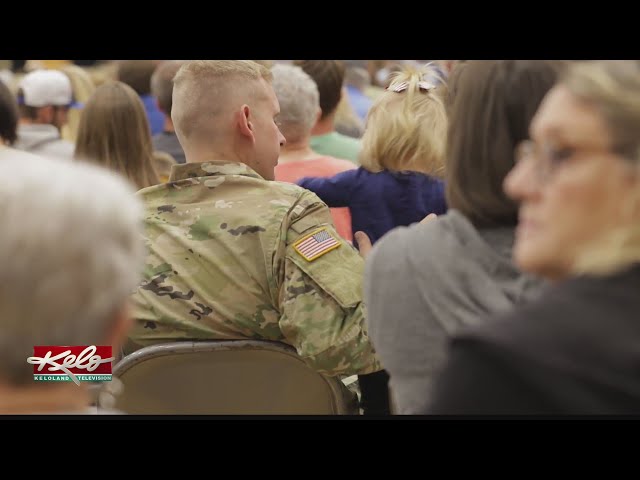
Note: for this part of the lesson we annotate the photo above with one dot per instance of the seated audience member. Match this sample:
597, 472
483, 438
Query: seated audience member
297, 94
137, 74
9, 126
424, 282
71, 253
161, 89
233, 254
575, 349
325, 140
44, 98
114, 133
401, 158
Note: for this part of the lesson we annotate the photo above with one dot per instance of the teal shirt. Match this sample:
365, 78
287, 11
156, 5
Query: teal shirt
336, 145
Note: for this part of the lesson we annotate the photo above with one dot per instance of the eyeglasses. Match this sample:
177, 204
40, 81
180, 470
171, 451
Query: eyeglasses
549, 157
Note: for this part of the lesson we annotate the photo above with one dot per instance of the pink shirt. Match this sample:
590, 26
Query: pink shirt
323, 167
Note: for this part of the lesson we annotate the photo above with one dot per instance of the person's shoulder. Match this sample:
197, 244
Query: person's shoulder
14, 153
564, 326
289, 192
432, 245
432, 234
430, 180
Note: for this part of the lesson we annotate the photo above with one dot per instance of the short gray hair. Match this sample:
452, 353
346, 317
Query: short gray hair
299, 101
71, 252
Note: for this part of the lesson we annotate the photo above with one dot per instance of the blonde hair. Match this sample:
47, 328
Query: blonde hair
613, 89
71, 251
201, 89
114, 132
83, 87
406, 131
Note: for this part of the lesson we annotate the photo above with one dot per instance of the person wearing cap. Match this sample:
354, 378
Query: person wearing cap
44, 98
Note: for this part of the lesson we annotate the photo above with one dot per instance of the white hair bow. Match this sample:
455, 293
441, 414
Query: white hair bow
401, 87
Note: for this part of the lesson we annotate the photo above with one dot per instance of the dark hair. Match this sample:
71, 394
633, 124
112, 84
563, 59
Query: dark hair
26, 111
136, 74
329, 76
8, 115
449, 87
162, 83
491, 108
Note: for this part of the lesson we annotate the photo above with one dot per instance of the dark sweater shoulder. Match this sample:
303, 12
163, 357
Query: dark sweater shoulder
586, 325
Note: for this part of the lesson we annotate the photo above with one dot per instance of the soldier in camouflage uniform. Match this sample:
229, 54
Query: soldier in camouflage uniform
232, 254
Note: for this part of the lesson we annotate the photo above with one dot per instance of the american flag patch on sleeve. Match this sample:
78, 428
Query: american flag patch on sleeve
316, 244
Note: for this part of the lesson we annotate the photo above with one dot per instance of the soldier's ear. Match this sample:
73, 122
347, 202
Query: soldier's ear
245, 124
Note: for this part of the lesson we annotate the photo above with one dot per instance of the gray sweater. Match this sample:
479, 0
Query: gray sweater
426, 281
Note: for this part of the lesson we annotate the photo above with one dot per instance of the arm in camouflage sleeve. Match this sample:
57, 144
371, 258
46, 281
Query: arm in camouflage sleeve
322, 313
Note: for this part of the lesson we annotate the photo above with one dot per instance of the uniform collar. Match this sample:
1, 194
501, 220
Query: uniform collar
208, 169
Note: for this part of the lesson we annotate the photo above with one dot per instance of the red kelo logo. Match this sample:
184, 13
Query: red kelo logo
76, 364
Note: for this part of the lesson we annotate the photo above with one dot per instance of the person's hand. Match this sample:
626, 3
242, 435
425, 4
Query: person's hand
427, 219
364, 244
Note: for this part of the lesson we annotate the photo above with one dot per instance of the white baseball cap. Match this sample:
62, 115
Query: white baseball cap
45, 87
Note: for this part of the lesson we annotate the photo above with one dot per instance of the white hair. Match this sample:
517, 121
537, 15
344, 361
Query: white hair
71, 252
299, 101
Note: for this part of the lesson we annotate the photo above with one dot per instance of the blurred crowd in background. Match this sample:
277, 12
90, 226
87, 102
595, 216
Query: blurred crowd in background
442, 236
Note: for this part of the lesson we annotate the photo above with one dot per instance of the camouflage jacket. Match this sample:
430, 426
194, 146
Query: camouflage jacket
231, 255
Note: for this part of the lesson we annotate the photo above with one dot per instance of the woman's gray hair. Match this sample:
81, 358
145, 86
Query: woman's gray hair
299, 101
71, 252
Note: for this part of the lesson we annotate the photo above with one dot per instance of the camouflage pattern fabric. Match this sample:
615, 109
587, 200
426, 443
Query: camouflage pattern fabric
221, 264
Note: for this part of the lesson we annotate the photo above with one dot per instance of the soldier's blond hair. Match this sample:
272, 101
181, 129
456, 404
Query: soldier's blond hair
202, 89
71, 252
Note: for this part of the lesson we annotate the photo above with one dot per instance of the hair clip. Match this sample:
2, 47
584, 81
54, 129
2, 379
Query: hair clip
401, 87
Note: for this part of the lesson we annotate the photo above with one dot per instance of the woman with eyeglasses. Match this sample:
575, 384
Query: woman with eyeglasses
577, 349
425, 282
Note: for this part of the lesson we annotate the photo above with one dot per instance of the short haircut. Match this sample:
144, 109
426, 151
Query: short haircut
8, 115
71, 252
406, 130
202, 88
299, 101
162, 83
493, 105
136, 74
329, 76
